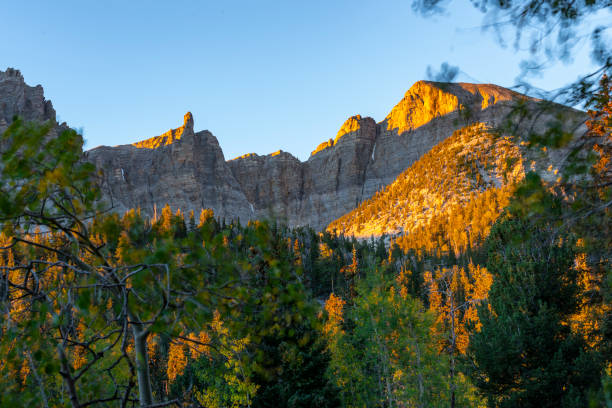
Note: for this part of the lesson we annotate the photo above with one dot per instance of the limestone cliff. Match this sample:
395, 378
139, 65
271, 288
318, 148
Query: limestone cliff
188, 172
324, 187
365, 156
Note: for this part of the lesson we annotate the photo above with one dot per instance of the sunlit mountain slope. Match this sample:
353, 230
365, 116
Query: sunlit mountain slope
455, 190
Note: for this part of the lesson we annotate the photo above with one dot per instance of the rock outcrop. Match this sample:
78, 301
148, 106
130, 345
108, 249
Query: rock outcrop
183, 168
187, 169
19, 99
327, 185
170, 136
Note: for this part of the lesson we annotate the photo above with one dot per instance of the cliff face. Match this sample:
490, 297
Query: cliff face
314, 192
188, 172
19, 99
187, 169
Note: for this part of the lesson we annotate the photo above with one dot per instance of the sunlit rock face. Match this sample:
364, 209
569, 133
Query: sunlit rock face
19, 99
334, 177
188, 171
429, 113
170, 136
426, 101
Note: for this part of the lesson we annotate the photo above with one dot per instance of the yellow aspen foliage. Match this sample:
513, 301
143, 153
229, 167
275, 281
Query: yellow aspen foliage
334, 307
600, 127
152, 348
198, 347
325, 250
297, 252
24, 372
166, 218
177, 360
476, 285
586, 321
453, 296
402, 279
205, 215
355, 263
17, 306
79, 357
352, 269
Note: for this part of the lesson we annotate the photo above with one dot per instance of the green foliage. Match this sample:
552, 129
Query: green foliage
300, 381
283, 359
526, 353
44, 179
384, 354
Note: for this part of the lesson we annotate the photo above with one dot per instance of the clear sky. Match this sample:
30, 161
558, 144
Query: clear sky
260, 75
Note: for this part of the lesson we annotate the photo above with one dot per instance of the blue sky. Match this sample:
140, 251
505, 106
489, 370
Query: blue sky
260, 75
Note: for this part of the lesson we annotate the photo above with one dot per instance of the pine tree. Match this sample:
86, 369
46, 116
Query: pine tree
525, 353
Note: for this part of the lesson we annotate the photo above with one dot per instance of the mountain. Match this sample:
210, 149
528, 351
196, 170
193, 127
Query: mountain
452, 194
187, 169
342, 172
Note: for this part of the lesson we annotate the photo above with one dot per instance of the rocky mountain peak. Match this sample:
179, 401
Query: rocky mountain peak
11, 73
188, 120
427, 100
170, 136
354, 124
19, 99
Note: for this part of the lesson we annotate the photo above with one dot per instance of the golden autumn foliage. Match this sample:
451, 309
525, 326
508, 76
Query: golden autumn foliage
325, 250
591, 312
177, 360
334, 306
187, 347
600, 128
453, 295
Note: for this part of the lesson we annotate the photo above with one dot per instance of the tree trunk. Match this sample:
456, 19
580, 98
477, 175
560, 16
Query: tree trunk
68, 380
142, 366
452, 351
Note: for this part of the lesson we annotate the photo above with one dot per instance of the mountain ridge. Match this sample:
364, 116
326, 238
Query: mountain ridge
188, 170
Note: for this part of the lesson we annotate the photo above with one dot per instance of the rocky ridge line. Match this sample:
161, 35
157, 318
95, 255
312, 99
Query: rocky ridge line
364, 157
188, 170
